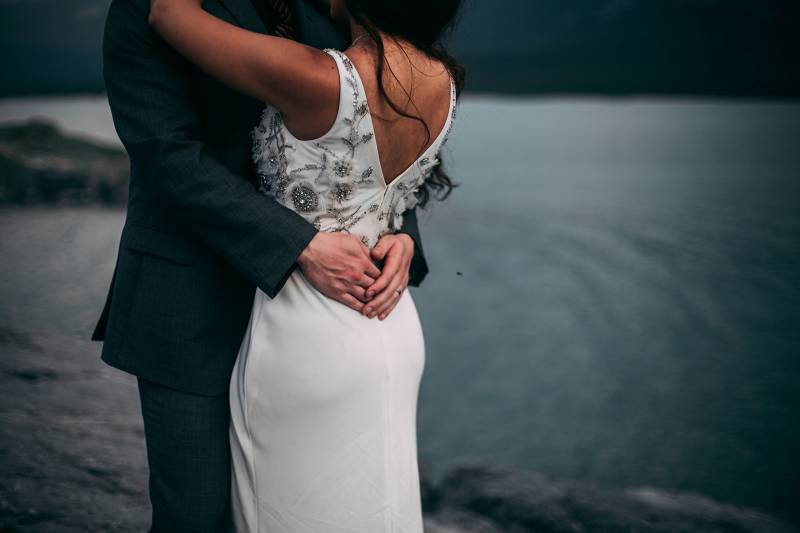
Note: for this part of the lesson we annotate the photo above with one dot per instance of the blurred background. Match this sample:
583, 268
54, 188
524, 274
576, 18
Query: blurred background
614, 296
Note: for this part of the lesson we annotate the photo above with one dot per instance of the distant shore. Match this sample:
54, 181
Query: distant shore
39, 165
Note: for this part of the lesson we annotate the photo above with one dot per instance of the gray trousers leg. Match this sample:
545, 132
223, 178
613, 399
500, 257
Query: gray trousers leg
189, 456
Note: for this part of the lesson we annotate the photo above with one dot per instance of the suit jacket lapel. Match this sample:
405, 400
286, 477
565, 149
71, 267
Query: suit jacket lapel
245, 14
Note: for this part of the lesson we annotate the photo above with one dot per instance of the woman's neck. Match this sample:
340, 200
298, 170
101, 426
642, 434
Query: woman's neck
358, 34
362, 38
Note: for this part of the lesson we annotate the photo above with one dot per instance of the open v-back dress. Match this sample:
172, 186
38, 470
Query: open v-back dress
324, 399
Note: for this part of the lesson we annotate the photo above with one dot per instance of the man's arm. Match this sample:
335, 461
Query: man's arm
419, 266
157, 120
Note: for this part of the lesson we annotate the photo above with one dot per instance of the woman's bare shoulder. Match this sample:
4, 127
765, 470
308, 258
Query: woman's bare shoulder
311, 102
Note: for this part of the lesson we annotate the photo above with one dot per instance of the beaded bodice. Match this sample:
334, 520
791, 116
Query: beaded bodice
336, 181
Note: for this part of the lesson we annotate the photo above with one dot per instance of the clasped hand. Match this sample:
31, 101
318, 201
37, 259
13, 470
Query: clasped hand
341, 267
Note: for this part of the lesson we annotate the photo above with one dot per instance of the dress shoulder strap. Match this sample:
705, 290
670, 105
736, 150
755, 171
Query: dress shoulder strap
352, 100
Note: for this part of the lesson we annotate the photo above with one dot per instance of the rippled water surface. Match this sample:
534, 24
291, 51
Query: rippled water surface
614, 294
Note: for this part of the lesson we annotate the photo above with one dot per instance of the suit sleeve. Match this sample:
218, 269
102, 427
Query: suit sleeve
151, 99
419, 267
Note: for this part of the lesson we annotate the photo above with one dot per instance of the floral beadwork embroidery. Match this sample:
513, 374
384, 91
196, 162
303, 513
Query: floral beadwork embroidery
339, 187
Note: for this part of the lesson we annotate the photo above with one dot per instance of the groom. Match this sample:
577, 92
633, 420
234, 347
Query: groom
199, 239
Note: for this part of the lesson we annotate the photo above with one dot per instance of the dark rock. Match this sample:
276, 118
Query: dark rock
451, 520
518, 501
427, 485
40, 165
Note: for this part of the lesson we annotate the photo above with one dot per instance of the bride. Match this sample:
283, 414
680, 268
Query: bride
323, 398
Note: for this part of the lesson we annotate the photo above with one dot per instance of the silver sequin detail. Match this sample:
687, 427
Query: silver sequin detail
305, 198
342, 168
341, 192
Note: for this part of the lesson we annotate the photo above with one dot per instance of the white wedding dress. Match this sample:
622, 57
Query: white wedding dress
324, 399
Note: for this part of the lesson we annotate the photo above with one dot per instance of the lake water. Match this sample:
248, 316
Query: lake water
614, 294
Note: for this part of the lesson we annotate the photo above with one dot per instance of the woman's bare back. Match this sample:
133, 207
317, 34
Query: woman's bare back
419, 86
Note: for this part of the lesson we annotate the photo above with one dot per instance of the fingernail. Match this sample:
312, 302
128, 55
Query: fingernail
369, 310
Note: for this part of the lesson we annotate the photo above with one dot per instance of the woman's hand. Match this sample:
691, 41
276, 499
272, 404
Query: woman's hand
398, 250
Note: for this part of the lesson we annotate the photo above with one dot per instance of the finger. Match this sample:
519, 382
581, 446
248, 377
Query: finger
380, 249
390, 269
371, 270
364, 281
381, 298
387, 308
350, 301
380, 284
390, 293
358, 293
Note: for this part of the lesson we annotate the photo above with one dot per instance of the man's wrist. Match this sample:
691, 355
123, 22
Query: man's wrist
305, 253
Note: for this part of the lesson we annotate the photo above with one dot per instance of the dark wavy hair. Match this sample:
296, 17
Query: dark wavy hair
424, 24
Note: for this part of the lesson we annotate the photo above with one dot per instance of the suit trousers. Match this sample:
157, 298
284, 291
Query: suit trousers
188, 452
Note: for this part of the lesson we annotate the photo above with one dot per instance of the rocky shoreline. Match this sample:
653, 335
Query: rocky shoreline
73, 460
39, 165
492, 499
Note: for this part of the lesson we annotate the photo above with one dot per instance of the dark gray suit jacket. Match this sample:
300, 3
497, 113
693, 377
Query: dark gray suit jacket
198, 237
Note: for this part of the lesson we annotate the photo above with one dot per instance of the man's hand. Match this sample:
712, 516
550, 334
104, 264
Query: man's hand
339, 266
398, 250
